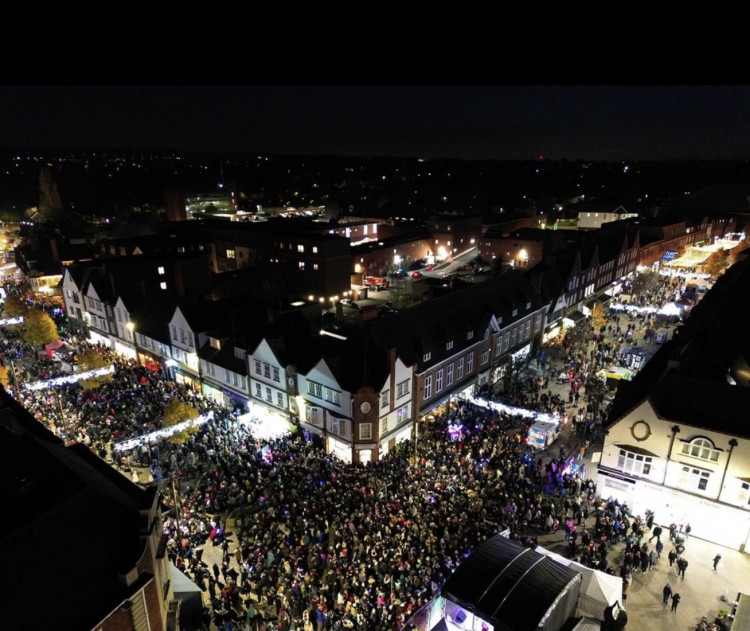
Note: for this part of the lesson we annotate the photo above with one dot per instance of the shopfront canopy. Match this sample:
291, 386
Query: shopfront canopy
514, 588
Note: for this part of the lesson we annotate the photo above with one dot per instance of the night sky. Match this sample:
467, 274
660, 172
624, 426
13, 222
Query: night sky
469, 122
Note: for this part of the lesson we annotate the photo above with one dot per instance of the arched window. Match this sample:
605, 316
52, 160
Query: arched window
701, 448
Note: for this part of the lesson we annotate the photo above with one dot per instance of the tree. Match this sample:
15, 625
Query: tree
645, 282
39, 328
598, 316
717, 263
4, 376
91, 360
14, 306
177, 411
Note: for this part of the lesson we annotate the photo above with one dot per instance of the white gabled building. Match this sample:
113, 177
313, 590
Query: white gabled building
327, 409
268, 382
124, 341
683, 452
224, 370
396, 414
95, 314
184, 366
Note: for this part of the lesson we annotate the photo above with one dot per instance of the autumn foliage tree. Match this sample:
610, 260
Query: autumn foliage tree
175, 412
92, 359
598, 317
39, 328
4, 376
14, 306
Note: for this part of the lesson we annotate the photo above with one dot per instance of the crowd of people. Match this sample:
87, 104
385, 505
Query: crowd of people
322, 544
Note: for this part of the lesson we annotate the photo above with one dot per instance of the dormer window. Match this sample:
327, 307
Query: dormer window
426, 357
449, 345
514, 313
528, 306
469, 335
701, 448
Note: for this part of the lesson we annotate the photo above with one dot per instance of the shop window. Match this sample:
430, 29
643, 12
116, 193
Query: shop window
693, 478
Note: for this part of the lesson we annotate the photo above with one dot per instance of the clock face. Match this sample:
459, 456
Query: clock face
364, 408
640, 430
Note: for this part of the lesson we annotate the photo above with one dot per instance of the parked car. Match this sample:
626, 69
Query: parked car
416, 275
348, 302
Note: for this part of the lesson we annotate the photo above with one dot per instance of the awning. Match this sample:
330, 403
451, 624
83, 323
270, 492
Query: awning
635, 449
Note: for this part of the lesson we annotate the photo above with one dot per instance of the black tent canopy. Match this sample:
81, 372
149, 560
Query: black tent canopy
514, 588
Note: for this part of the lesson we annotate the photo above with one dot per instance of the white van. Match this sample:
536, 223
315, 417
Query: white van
542, 434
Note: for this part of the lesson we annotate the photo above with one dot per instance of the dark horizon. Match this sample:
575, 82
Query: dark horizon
603, 123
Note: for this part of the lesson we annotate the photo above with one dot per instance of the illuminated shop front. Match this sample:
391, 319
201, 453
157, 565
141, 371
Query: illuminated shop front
339, 448
124, 349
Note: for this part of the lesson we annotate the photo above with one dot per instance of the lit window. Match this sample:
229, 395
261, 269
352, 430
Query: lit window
315, 266
385, 399
230, 254
315, 249
636, 464
701, 448
402, 413
302, 265
695, 478
163, 285
160, 270
300, 249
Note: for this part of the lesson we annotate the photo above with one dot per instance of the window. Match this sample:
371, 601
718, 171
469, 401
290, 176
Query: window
269, 395
427, 387
227, 376
528, 306
438, 381
276, 373
499, 345
402, 413
426, 357
302, 265
538, 322
514, 336
301, 249
527, 331
470, 363
701, 448
470, 335
460, 369
514, 313
338, 426
257, 367
365, 431
385, 399
636, 464
315, 389
315, 249
313, 415
449, 376
506, 341
695, 478
332, 396
160, 270
174, 332
402, 389
449, 345
745, 493
163, 285
315, 266
266, 371
230, 254
485, 358
210, 368
280, 399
